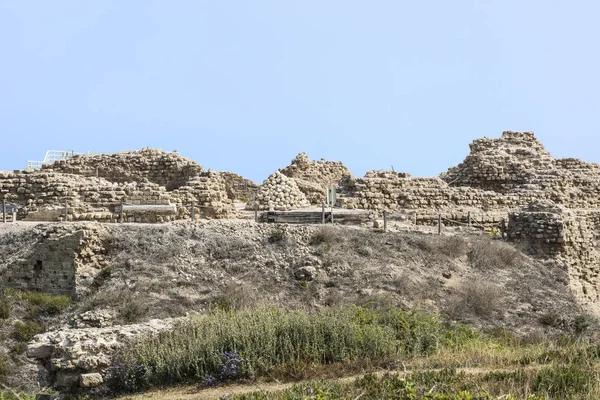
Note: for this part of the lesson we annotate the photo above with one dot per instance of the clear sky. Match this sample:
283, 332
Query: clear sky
246, 85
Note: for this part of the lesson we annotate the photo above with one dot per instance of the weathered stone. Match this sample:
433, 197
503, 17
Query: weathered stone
307, 273
90, 380
66, 379
39, 350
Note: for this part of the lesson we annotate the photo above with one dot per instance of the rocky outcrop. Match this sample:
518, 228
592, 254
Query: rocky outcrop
79, 358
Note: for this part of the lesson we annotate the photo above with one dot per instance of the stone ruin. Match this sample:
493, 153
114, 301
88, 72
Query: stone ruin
500, 179
548, 230
278, 193
92, 188
313, 177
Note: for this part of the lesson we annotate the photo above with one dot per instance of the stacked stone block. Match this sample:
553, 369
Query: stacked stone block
147, 165
94, 186
278, 193
313, 177
551, 231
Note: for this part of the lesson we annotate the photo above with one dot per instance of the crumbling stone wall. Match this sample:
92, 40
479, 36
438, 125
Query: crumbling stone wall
380, 190
498, 175
551, 231
313, 177
517, 163
209, 195
42, 194
170, 170
59, 260
238, 188
70, 359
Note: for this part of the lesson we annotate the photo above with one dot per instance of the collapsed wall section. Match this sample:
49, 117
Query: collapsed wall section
44, 195
55, 260
313, 177
550, 231
170, 170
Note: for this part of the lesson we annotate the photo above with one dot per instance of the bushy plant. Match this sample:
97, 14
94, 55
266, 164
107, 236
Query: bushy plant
565, 380
42, 303
488, 254
25, 331
269, 338
277, 235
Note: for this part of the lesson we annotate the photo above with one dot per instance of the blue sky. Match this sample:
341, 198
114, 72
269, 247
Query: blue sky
246, 85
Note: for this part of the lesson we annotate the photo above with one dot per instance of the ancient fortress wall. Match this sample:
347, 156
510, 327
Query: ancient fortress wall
551, 231
56, 260
170, 170
498, 174
94, 186
313, 177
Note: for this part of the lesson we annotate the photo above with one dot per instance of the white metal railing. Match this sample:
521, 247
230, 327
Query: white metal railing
52, 156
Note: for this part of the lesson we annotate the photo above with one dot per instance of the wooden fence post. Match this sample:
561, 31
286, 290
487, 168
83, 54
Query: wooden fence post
385, 221
439, 224
256, 212
66, 210
323, 213
3, 211
121, 212
503, 228
469, 219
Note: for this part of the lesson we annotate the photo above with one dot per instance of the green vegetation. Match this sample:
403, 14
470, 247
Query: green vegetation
443, 361
25, 331
273, 339
10, 395
41, 303
277, 235
35, 306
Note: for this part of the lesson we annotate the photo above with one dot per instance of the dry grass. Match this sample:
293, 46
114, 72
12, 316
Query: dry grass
476, 298
486, 254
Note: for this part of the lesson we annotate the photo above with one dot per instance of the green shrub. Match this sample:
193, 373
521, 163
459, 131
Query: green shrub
41, 303
104, 274
581, 323
272, 338
25, 331
4, 307
10, 395
564, 381
277, 235
4, 367
19, 348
